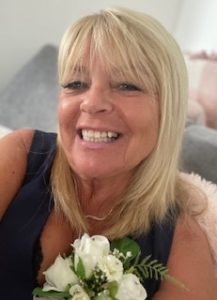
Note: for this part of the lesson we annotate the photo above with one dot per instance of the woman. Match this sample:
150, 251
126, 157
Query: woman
112, 169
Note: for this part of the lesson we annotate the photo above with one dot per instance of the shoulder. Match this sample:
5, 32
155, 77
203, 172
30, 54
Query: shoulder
21, 138
14, 149
203, 204
190, 261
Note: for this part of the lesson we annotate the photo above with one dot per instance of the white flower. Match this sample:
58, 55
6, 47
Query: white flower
90, 250
130, 288
112, 267
78, 293
59, 275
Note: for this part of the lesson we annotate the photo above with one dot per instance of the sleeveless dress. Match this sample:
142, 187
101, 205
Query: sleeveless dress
23, 222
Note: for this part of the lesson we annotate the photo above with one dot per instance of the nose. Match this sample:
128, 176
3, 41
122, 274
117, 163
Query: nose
96, 100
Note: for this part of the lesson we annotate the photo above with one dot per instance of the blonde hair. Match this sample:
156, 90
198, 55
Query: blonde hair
136, 46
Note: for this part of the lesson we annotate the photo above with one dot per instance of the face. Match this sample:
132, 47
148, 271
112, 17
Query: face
107, 126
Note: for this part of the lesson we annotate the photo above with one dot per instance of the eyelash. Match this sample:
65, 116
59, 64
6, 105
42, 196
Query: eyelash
79, 85
128, 87
76, 85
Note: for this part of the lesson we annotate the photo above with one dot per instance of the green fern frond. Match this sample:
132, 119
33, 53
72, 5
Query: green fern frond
151, 269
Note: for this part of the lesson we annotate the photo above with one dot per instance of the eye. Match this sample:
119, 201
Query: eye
128, 87
76, 85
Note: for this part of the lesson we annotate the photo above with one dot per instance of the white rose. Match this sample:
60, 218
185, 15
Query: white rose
112, 267
78, 293
130, 288
90, 250
59, 275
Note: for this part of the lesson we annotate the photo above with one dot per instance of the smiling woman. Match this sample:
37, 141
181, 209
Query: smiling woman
117, 91
99, 108
112, 168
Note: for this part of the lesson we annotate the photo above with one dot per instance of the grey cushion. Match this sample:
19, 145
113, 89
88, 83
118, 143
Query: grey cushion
199, 152
30, 100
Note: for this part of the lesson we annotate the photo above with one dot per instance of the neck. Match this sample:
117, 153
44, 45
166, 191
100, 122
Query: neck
99, 197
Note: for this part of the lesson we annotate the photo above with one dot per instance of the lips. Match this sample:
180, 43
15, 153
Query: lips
97, 136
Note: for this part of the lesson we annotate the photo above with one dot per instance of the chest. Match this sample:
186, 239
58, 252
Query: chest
56, 238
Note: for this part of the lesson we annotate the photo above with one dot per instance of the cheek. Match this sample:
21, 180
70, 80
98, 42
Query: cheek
152, 130
148, 129
67, 112
148, 119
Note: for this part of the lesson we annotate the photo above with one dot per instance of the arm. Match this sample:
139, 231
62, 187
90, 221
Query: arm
191, 262
14, 149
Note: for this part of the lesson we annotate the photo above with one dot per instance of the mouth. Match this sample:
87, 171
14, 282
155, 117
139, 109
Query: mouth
95, 136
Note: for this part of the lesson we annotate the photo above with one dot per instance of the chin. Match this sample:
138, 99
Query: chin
95, 171
92, 173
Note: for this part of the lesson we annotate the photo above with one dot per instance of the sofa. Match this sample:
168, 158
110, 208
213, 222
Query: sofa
31, 99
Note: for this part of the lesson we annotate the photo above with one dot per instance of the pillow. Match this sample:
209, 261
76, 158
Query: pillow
202, 70
31, 98
196, 112
199, 152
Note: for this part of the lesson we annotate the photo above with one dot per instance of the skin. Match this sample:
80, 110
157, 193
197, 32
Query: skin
95, 100
189, 261
101, 104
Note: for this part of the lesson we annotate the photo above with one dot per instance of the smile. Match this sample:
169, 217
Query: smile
96, 136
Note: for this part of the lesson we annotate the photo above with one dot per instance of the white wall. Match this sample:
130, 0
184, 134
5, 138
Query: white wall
197, 26
26, 25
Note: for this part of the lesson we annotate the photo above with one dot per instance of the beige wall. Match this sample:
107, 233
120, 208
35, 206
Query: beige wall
26, 25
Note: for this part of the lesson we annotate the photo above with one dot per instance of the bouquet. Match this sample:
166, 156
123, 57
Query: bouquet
100, 271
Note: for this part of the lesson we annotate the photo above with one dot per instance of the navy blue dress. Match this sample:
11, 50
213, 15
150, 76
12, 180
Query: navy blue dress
25, 218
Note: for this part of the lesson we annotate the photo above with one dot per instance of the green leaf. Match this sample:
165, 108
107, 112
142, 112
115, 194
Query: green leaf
175, 281
101, 296
125, 245
38, 292
113, 288
151, 268
104, 295
80, 269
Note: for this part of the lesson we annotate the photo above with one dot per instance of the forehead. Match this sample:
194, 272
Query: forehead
115, 60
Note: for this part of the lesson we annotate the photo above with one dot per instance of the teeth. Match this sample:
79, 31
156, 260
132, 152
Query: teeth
112, 134
98, 136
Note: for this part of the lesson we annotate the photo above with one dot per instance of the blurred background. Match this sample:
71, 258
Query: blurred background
26, 25
30, 32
